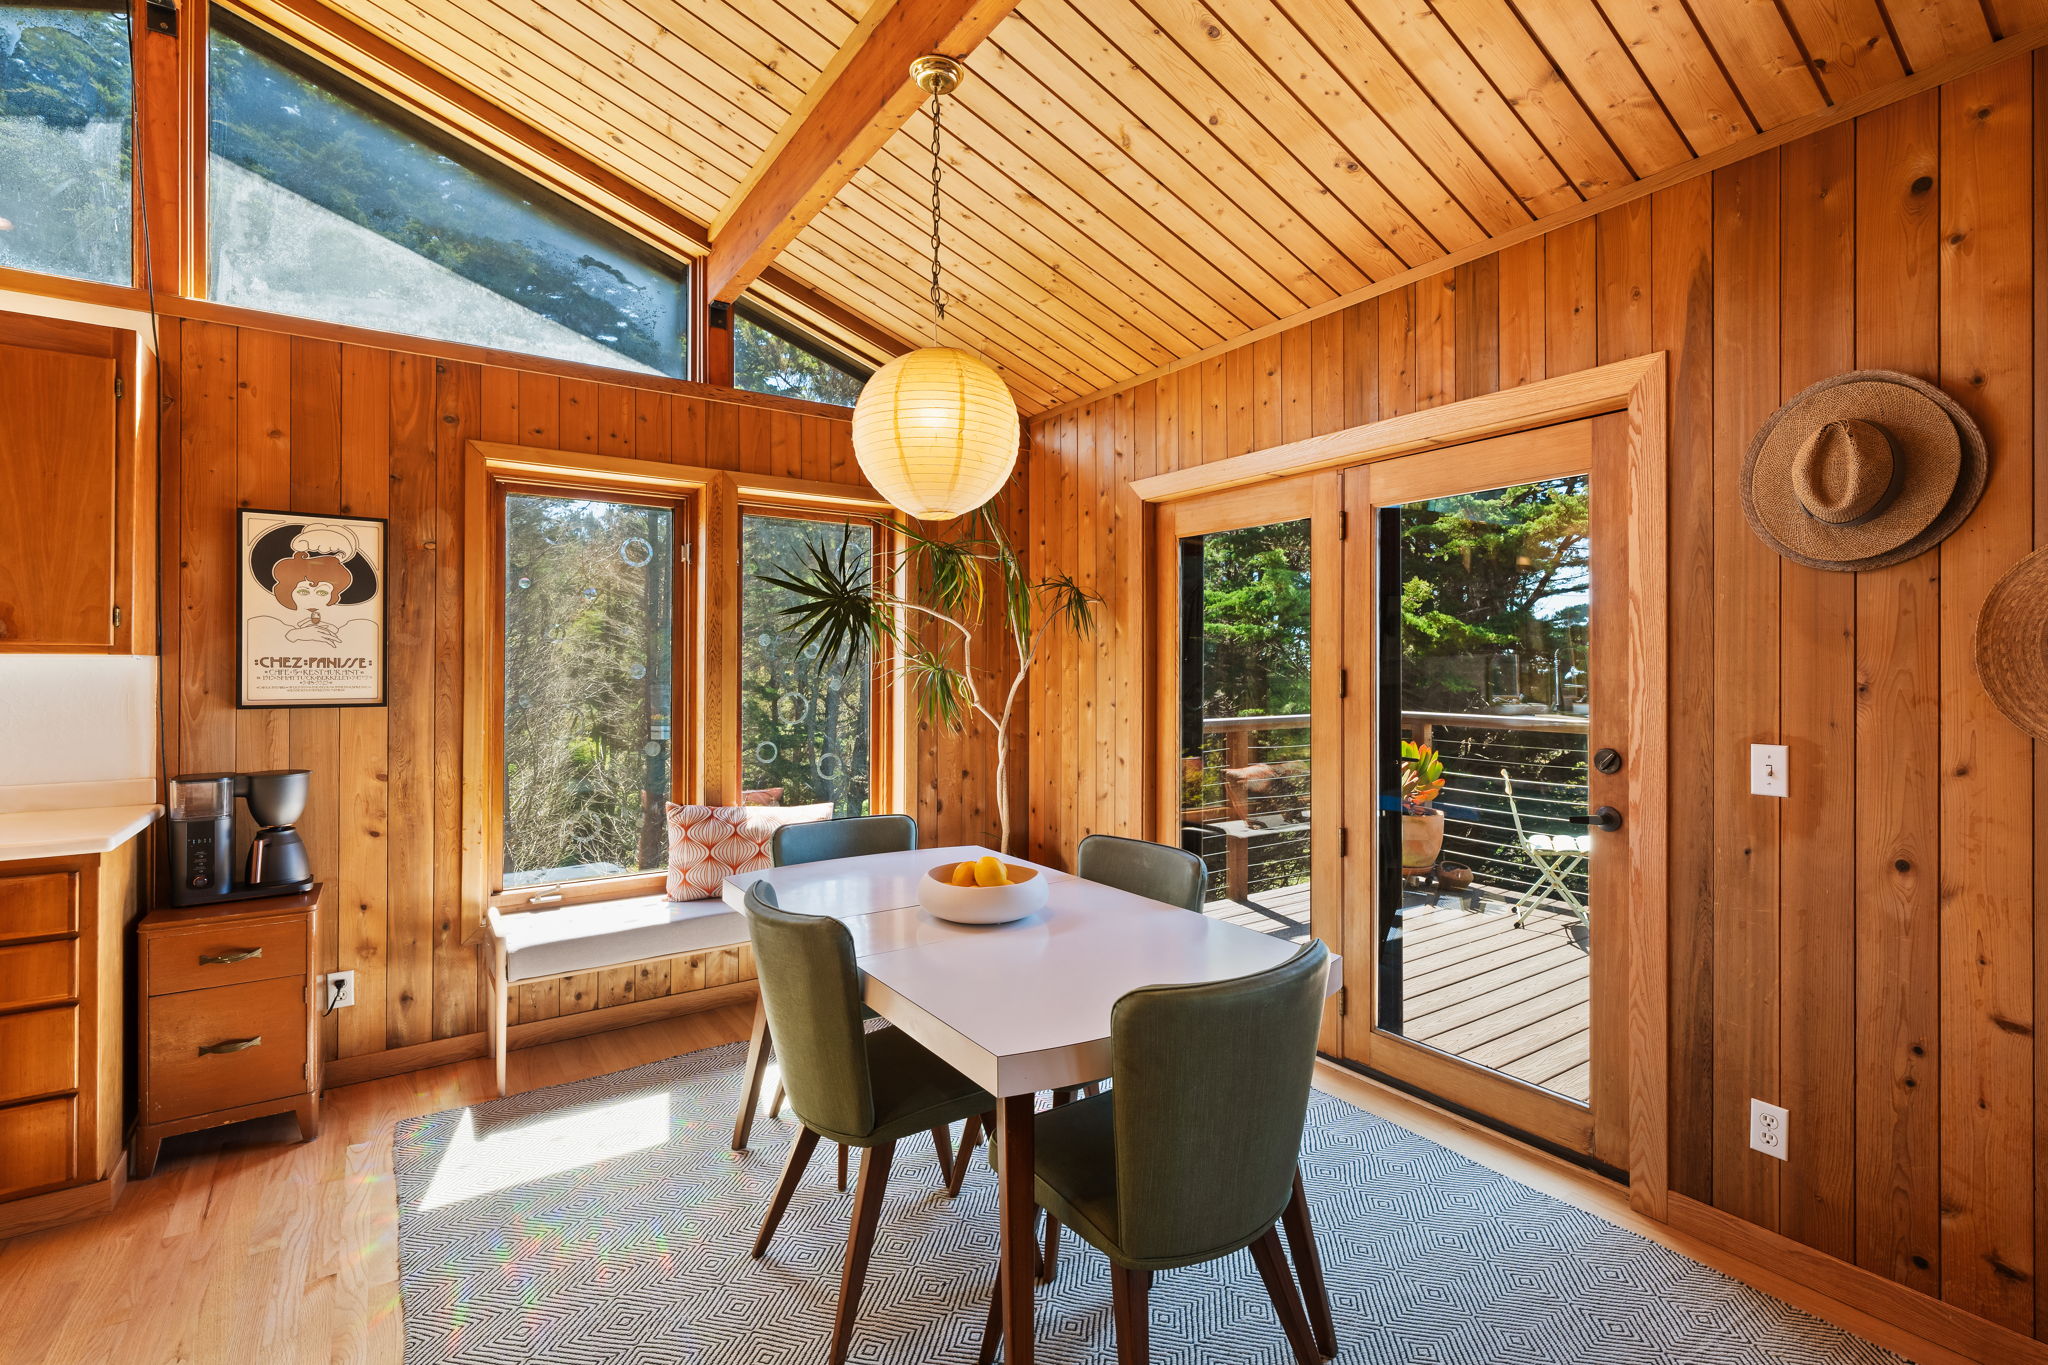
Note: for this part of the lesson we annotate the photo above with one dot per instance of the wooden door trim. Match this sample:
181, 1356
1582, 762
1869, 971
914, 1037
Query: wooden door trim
1624, 386
1636, 389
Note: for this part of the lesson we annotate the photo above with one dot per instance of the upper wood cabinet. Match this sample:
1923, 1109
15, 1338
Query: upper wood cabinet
72, 573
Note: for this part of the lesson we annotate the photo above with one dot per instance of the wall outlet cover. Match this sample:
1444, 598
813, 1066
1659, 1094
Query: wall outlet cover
1767, 775
1767, 1124
341, 990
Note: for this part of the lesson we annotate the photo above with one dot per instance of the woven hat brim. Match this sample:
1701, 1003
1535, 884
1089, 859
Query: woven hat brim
2012, 644
1922, 516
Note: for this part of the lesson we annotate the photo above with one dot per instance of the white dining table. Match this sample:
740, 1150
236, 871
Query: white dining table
1017, 1008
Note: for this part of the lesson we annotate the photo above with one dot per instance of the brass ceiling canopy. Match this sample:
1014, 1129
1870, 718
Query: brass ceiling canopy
935, 74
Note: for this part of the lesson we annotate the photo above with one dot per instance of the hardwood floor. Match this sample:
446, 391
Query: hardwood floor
249, 1246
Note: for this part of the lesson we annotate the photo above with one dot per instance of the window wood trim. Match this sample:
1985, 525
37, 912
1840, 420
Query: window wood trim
704, 760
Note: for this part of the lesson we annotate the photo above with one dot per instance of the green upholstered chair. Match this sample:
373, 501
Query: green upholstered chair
1159, 872
1194, 1154
861, 1088
816, 840
813, 842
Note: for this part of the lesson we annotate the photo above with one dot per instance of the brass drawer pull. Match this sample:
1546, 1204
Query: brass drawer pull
231, 1045
232, 955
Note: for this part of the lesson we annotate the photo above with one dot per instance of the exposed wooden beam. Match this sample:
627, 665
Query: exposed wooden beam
857, 103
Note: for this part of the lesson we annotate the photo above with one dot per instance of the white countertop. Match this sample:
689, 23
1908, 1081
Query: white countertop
66, 833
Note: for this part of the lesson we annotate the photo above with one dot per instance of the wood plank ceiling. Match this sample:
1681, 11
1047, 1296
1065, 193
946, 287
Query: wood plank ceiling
1133, 181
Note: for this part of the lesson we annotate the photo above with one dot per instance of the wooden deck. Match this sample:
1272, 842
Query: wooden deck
1474, 985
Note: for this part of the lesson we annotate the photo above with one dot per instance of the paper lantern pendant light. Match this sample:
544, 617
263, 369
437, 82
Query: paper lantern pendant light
936, 431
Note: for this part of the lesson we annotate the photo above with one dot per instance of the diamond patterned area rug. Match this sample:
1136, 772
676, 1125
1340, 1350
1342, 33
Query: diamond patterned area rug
605, 1222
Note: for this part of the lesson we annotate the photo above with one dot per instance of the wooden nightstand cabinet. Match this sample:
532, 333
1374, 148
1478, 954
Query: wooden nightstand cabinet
229, 1015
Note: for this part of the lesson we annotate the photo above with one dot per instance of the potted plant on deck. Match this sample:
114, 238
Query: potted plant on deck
1422, 824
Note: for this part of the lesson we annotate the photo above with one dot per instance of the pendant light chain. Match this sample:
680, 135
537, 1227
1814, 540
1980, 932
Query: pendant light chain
938, 169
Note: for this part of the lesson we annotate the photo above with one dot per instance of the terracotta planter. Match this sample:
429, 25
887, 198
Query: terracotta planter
1422, 838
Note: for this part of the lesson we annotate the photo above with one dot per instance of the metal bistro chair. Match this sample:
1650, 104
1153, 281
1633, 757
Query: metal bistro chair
1556, 856
1195, 1153
812, 842
860, 1087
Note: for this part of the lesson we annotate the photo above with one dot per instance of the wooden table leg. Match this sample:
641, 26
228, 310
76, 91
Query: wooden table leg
1017, 1218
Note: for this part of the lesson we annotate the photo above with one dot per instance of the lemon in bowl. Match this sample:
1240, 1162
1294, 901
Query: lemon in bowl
983, 890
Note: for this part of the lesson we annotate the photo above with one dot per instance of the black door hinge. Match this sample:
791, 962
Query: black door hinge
1343, 683
120, 390
1343, 1001
1343, 841
1343, 525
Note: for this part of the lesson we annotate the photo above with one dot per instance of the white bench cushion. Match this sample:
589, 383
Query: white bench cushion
582, 938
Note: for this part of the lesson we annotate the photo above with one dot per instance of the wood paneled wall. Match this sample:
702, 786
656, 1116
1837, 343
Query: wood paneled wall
1864, 953
261, 418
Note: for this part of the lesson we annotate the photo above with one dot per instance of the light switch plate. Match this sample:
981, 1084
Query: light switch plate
1767, 1128
1767, 776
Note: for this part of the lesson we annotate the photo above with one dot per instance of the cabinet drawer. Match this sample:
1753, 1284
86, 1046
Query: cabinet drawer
38, 1053
183, 1080
225, 955
36, 1141
38, 973
39, 903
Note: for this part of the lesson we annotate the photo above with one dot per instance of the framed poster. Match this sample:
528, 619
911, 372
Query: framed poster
310, 623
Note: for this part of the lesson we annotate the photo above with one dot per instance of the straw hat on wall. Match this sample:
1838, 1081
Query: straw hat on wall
1863, 470
2012, 644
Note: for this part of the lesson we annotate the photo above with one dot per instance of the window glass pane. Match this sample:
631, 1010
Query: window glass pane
769, 356
805, 732
66, 99
328, 204
588, 643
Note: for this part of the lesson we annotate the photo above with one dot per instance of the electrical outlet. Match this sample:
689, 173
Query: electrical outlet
1767, 1128
341, 990
1767, 763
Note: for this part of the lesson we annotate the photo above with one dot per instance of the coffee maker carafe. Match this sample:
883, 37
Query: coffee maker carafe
202, 836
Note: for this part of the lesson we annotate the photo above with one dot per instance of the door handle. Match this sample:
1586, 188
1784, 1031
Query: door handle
231, 956
230, 1045
1606, 819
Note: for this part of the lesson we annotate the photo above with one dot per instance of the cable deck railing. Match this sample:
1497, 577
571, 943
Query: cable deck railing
1246, 798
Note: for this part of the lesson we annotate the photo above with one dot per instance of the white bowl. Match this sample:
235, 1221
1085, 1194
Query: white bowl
1024, 895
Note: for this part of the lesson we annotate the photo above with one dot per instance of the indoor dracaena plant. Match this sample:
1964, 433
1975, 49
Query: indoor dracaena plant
927, 599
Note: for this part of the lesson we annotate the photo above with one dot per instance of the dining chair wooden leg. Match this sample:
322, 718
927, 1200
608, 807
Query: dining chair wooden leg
1272, 1264
860, 1244
970, 1135
992, 1330
750, 1092
775, 1100
1048, 1258
842, 1168
1131, 1303
942, 1143
1308, 1268
800, 1149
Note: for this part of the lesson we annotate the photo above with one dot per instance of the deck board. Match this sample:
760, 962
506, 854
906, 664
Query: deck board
1515, 999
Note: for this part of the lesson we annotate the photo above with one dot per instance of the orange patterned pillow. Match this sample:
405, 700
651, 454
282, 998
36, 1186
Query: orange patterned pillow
707, 844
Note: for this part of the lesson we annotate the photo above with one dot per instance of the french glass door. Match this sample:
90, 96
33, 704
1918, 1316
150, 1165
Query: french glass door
1488, 761
1247, 733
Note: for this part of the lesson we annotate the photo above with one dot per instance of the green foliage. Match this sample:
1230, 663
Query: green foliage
763, 362
412, 187
66, 133
806, 717
587, 681
1256, 600
1422, 776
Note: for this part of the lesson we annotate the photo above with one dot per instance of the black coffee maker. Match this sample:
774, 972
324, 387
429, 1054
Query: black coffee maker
202, 836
